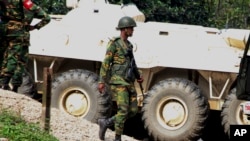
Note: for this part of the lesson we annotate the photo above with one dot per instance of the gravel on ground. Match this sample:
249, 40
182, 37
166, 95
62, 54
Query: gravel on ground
63, 126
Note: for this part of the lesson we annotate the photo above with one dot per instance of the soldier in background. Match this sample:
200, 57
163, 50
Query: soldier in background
3, 29
18, 27
28, 86
3, 41
114, 71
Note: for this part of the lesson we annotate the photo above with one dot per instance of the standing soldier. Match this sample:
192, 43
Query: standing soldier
115, 72
29, 15
18, 27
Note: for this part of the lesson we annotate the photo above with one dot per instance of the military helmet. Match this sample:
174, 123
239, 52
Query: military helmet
126, 22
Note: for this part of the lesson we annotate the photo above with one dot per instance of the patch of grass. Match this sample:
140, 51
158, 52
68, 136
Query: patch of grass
15, 128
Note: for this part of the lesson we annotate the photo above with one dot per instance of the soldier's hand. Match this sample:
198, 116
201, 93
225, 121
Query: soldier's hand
31, 28
140, 80
101, 87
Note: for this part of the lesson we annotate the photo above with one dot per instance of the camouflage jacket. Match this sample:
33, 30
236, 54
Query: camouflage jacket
38, 13
115, 63
19, 16
29, 15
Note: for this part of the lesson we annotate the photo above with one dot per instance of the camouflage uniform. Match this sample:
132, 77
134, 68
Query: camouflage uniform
28, 17
18, 25
123, 91
3, 43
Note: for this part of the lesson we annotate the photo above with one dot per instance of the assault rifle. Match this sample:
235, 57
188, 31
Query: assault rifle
133, 69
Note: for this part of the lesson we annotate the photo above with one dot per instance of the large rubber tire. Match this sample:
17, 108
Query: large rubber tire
75, 92
232, 113
175, 110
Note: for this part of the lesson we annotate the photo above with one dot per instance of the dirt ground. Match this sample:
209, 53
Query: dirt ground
61, 125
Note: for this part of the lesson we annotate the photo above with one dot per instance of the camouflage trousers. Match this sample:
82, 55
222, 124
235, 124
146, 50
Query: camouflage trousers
126, 100
14, 60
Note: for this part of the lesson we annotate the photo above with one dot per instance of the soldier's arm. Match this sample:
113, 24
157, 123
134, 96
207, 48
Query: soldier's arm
38, 13
106, 63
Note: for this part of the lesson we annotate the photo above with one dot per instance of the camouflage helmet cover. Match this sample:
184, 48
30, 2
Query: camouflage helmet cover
126, 22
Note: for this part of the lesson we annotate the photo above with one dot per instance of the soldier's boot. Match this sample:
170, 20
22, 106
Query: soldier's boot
4, 83
118, 138
103, 126
5, 87
15, 88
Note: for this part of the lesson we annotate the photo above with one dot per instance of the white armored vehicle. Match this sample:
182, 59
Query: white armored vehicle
187, 69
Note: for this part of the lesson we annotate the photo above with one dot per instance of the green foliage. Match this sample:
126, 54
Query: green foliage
211, 13
174, 11
14, 128
230, 13
53, 6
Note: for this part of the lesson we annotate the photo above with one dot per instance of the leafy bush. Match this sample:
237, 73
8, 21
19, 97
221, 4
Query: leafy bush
15, 128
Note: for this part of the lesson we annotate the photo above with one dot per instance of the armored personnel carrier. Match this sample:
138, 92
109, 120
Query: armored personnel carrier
188, 70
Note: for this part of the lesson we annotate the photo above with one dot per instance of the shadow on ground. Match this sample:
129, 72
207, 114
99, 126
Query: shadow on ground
214, 131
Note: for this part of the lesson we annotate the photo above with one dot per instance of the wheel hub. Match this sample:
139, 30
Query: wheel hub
172, 113
76, 103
